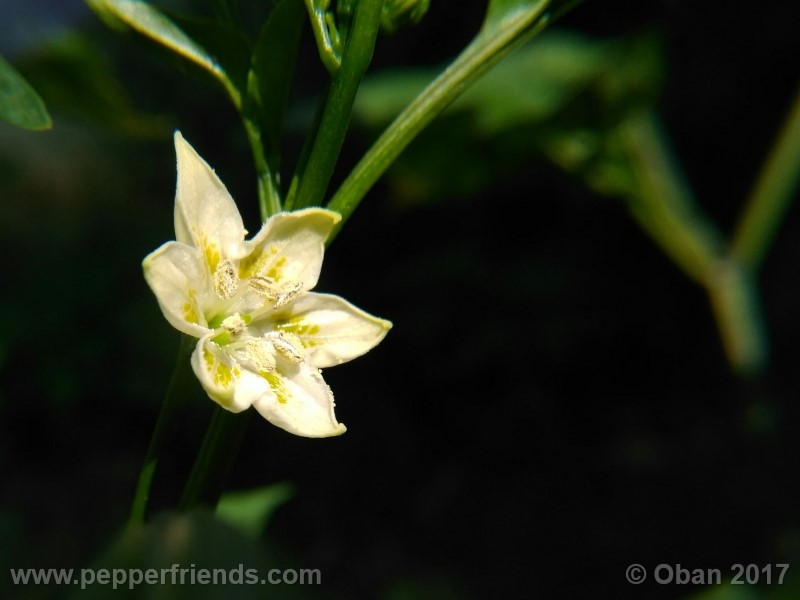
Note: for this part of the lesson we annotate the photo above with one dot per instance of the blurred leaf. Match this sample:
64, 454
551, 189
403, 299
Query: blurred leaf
193, 541
75, 76
560, 95
499, 12
270, 75
250, 511
400, 13
20, 105
533, 84
216, 48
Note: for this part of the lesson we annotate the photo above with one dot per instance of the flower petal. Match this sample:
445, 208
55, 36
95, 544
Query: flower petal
331, 329
206, 216
299, 401
225, 381
290, 246
176, 274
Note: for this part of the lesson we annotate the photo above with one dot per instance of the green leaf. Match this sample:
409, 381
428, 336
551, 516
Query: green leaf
249, 511
271, 70
20, 105
217, 49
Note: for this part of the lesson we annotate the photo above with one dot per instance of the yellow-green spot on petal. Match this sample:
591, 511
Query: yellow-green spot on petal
255, 264
189, 309
223, 375
304, 331
276, 270
277, 385
209, 358
263, 264
210, 250
211, 253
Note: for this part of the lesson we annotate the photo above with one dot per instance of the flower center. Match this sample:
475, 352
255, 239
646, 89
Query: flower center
226, 287
260, 354
256, 353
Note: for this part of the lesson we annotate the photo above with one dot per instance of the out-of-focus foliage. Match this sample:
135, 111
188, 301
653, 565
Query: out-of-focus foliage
250, 510
400, 13
20, 105
205, 550
560, 96
78, 77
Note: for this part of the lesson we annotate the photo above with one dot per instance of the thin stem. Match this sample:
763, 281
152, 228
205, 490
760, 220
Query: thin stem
325, 35
218, 451
314, 176
663, 203
174, 399
665, 207
269, 201
771, 196
488, 47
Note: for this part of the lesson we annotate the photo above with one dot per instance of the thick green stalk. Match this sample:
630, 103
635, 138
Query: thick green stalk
488, 47
773, 193
217, 454
180, 382
314, 174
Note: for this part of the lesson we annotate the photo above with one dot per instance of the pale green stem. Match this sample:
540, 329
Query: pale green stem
663, 203
772, 195
665, 207
326, 36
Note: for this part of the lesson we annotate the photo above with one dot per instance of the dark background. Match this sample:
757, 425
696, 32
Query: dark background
552, 405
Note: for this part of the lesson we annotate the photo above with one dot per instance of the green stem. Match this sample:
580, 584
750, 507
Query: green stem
269, 201
663, 203
665, 207
771, 196
217, 454
325, 35
488, 47
313, 177
176, 395
736, 305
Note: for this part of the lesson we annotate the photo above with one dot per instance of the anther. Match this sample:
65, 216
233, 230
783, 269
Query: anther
279, 295
264, 287
226, 283
287, 294
288, 345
